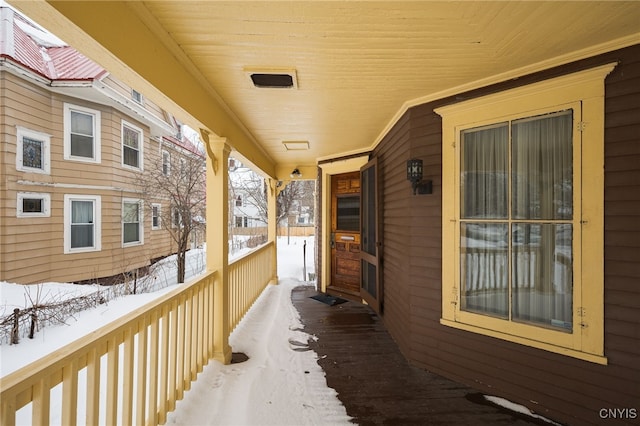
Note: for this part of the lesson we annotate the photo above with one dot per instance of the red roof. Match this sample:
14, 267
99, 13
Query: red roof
53, 62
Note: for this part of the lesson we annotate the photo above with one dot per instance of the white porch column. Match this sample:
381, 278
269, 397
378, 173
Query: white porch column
217, 239
272, 226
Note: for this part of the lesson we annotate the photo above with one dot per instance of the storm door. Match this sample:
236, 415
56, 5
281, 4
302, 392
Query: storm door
370, 237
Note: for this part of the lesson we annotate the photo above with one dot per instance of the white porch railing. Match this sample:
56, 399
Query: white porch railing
133, 370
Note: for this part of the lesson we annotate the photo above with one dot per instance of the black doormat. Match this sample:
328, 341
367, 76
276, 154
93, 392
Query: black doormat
328, 299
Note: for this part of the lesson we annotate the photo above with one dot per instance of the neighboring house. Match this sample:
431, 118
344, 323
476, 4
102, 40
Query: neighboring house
74, 143
246, 197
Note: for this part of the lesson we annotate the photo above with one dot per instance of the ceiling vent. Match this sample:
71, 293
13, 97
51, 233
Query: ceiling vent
274, 78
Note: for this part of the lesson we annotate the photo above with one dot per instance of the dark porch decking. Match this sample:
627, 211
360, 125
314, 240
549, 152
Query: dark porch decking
375, 382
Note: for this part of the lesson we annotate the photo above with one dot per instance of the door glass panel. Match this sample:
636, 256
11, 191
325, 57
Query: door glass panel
348, 213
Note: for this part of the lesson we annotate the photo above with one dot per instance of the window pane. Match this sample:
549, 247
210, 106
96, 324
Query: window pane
542, 161
130, 137
32, 205
130, 212
348, 213
131, 232
483, 172
542, 277
32, 153
484, 269
81, 236
81, 123
130, 156
81, 146
81, 212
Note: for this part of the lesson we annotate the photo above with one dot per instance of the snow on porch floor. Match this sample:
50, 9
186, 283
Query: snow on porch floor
375, 382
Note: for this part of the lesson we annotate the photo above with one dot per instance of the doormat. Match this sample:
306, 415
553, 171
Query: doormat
328, 300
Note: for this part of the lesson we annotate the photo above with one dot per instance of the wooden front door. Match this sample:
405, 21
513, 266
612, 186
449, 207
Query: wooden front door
345, 234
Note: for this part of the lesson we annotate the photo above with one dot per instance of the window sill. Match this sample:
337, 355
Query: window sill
527, 342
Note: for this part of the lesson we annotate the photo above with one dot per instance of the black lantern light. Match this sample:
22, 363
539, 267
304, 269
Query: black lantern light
414, 175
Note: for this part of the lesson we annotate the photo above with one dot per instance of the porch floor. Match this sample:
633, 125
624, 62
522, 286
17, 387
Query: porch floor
375, 382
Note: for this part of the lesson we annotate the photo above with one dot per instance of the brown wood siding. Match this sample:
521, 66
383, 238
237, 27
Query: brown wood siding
31, 249
563, 388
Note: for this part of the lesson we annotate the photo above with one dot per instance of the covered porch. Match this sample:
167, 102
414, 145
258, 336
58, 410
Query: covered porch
340, 82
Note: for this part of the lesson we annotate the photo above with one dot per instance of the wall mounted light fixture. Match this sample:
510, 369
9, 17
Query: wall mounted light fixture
295, 174
414, 175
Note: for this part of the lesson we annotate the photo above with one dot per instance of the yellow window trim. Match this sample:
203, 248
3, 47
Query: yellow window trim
583, 91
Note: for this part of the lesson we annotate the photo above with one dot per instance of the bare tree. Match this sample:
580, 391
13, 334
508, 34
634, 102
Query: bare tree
175, 192
256, 194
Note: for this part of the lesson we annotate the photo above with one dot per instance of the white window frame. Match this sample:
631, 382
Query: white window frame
137, 96
167, 164
140, 222
586, 90
97, 155
140, 132
157, 216
174, 211
46, 204
21, 133
97, 229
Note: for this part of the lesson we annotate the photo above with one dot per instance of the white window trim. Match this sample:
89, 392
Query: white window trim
586, 87
97, 215
140, 146
21, 132
140, 222
96, 133
46, 204
159, 207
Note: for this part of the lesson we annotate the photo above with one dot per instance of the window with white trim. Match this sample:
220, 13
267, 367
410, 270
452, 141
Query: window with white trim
132, 224
156, 216
522, 220
33, 152
132, 144
81, 134
166, 163
137, 96
33, 204
82, 223
176, 218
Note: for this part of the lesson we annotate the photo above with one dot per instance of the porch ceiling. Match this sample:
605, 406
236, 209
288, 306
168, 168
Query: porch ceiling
358, 65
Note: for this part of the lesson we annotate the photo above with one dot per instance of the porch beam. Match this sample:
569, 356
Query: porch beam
217, 239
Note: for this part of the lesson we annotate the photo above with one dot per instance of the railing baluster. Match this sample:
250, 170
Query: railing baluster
93, 386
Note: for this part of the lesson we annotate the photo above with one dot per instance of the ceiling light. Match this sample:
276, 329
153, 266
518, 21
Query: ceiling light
296, 145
